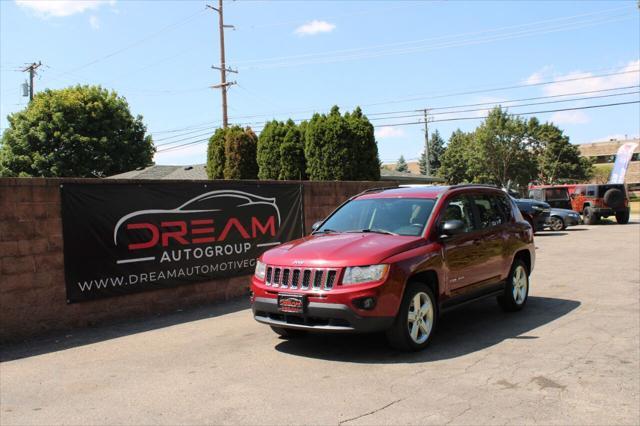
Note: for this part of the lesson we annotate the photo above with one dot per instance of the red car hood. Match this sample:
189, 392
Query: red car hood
339, 250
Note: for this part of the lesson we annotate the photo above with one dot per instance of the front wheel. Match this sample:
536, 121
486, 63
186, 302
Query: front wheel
416, 319
516, 289
556, 223
622, 217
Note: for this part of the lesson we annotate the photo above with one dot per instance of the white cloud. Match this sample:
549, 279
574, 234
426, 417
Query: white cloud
94, 22
387, 132
315, 27
59, 8
539, 76
570, 117
596, 83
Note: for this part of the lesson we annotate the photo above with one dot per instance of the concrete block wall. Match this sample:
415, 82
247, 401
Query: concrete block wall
32, 287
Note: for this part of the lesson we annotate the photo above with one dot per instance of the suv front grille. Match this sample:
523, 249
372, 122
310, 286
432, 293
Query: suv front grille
301, 278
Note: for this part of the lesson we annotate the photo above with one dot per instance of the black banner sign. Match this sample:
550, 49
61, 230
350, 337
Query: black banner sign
125, 238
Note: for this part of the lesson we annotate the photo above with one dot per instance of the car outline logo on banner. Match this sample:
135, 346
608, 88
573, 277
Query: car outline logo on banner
251, 200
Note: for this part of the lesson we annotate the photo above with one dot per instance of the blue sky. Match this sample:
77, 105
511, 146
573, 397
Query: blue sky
298, 57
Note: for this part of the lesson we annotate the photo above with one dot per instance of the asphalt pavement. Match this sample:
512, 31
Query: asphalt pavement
571, 357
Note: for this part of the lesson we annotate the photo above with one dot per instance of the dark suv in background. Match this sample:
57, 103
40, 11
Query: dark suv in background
597, 201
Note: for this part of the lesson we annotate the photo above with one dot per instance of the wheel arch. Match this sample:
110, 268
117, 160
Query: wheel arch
430, 278
525, 256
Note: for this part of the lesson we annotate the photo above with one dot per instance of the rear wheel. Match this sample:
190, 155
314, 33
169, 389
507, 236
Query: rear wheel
622, 217
288, 333
416, 319
516, 289
556, 223
590, 217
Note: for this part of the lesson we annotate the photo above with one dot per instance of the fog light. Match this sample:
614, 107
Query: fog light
366, 303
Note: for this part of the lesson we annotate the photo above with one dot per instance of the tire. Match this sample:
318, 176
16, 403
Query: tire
516, 289
590, 218
622, 217
413, 335
288, 333
614, 198
556, 223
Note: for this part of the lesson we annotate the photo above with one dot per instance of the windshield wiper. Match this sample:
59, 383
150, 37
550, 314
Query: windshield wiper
376, 231
325, 231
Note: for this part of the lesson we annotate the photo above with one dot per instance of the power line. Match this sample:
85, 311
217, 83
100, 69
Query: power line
379, 51
417, 113
162, 30
177, 147
395, 44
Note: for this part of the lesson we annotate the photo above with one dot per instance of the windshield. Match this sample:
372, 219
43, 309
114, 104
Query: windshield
401, 216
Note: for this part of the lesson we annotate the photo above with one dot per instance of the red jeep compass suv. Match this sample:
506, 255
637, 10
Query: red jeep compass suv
393, 259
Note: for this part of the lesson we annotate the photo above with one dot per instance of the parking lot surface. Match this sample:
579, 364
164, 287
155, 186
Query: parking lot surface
571, 357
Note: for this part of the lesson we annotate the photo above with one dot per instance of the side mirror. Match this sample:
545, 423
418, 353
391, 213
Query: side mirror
316, 226
451, 228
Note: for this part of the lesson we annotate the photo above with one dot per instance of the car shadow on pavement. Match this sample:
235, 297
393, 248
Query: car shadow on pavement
80, 337
460, 332
550, 234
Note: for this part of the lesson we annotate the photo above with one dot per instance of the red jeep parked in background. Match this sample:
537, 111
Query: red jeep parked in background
393, 259
596, 201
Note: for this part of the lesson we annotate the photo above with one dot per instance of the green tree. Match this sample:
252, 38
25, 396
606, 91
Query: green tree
455, 159
240, 146
364, 147
215, 155
292, 161
501, 151
341, 147
401, 165
436, 150
558, 159
81, 131
269, 155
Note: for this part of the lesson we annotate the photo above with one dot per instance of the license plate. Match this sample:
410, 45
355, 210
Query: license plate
291, 303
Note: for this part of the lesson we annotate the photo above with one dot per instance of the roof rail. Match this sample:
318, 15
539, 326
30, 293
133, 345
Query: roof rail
381, 188
475, 185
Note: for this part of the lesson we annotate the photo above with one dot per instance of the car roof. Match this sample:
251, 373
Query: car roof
418, 191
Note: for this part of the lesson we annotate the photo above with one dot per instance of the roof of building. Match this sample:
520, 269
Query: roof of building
194, 172
199, 172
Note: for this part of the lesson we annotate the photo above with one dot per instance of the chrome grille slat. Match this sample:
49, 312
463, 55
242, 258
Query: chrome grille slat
301, 278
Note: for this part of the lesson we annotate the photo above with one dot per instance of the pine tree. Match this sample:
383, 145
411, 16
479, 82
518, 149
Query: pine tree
292, 161
215, 155
240, 153
268, 155
401, 165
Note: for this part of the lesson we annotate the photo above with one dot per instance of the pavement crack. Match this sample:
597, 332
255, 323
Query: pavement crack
371, 412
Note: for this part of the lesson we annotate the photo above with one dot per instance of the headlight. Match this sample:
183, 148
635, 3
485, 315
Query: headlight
364, 274
260, 270
538, 208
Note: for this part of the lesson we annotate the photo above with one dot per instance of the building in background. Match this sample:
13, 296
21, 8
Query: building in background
603, 155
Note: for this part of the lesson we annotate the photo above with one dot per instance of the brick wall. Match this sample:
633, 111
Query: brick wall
32, 288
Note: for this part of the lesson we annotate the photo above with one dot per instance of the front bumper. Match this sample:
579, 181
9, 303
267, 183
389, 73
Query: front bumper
324, 317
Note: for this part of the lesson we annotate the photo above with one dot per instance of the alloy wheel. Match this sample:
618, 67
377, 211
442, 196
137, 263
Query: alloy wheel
420, 317
520, 285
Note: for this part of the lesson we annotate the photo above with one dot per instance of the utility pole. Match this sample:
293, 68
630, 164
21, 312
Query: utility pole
223, 65
32, 73
426, 142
